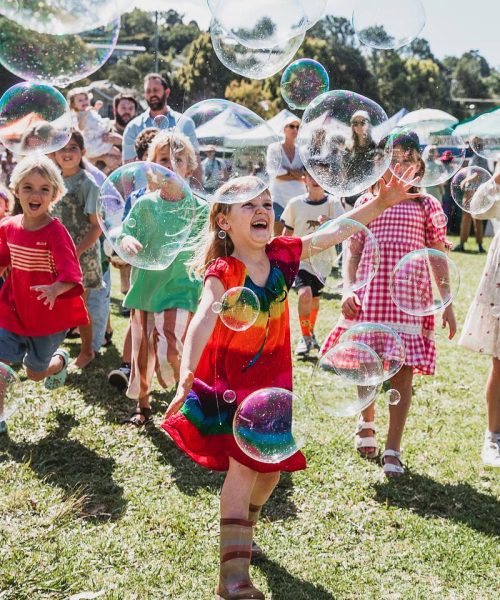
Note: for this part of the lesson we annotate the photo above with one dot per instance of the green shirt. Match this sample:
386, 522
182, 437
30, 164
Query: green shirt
156, 291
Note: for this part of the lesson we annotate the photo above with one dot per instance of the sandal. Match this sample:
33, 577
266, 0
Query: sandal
257, 553
365, 442
52, 382
133, 419
391, 470
108, 337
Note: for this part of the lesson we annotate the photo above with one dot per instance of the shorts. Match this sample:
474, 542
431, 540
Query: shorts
35, 352
278, 211
306, 279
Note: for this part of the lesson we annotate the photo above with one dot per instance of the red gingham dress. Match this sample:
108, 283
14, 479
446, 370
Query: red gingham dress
399, 230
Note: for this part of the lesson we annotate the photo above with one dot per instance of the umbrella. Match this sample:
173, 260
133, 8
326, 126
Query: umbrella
485, 124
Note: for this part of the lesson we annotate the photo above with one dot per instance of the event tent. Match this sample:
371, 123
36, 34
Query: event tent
427, 114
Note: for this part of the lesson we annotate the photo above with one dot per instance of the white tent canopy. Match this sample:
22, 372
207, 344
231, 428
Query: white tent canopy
263, 135
224, 124
487, 124
427, 114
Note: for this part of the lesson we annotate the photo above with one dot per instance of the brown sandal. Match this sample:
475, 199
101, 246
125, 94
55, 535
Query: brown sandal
133, 419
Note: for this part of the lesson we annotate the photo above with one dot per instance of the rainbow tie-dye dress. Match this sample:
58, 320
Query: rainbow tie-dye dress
242, 361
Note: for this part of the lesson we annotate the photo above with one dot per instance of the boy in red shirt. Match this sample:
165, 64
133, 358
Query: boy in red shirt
42, 294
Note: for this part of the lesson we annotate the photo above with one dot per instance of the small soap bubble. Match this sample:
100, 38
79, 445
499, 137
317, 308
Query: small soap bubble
240, 308
161, 122
217, 307
465, 187
393, 397
10, 392
439, 220
302, 81
229, 396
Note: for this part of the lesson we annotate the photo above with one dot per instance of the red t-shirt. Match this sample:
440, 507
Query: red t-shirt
39, 257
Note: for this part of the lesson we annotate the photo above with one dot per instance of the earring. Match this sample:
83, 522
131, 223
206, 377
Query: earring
221, 234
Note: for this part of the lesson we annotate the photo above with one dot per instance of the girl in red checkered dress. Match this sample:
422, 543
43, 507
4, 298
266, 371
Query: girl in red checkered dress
401, 229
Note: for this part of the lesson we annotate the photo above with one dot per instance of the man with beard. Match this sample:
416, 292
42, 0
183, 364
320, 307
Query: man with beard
158, 114
124, 110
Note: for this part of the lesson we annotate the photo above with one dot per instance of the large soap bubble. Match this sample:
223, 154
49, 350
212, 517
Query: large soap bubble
338, 142
233, 143
252, 62
353, 264
339, 396
302, 81
270, 425
10, 392
59, 17
484, 135
356, 363
424, 282
464, 186
34, 118
383, 340
431, 147
146, 212
388, 24
239, 308
55, 59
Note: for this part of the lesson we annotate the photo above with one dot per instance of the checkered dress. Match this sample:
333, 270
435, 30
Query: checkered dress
399, 230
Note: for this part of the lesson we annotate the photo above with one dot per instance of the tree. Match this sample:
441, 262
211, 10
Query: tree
255, 95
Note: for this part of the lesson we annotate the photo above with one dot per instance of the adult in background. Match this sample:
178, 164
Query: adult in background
288, 181
124, 110
156, 93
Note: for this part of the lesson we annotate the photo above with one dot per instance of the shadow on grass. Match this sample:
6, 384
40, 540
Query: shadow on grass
72, 467
285, 586
457, 502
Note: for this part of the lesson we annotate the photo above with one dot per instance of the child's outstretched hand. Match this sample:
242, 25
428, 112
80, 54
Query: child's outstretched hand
449, 319
48, 294
396, 189
130, 245
350, 306
183, 389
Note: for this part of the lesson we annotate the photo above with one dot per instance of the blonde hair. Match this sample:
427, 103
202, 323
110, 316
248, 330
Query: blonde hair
177, 142
41, 164
210, 246
71, 95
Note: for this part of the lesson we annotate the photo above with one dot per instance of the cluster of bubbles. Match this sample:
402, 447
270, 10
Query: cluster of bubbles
146, 213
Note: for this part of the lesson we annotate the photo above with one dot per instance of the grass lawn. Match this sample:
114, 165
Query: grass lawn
88, 505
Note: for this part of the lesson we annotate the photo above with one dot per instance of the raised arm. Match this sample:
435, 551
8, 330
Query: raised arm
198, 334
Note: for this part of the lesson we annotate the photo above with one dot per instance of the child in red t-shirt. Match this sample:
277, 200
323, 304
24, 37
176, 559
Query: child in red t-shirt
42, 294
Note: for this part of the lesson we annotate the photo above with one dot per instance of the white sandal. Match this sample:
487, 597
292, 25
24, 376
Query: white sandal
389, 468
365, 442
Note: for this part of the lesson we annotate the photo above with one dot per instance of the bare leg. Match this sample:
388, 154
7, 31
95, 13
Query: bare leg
368, 415
493, 397
55, 365
478, 231
127, 345
263, 487
401, 382
465, 227
86, 355
305, 303
237, 491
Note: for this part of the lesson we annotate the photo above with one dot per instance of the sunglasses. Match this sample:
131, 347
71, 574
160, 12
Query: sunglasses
363, 122
293, 126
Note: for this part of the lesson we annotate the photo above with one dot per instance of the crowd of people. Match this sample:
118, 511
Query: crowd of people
57, 279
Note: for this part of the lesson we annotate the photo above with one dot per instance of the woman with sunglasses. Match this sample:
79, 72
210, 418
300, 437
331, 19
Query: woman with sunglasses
288, 180
361, 149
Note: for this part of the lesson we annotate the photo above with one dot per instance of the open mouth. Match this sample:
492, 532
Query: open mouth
260, 224
34, 206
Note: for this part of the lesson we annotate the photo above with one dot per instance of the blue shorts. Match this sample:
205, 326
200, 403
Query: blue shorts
35, 352
278, 211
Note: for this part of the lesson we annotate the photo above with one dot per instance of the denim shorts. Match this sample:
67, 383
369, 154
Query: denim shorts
35, 352
278, 211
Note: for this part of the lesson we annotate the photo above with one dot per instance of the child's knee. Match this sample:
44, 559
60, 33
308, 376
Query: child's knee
35, 375
305, 293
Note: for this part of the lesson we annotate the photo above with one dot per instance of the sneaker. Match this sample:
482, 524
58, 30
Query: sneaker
118, 378
304, 346
459, 248
315, 343
57, 380
491, 449
480, 249
125, 312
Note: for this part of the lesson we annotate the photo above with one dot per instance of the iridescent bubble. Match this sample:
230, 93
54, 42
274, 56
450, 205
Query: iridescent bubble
484, 135
393, 397
240, 308
229, 396
147, 213
34, 118
424, 282
465, 185
388, 24
338, 142
55, 59
426, 153
339, 396
217, 307
10, 392
250, 62
383, 340
356, 246
225, 129
356, 363
302, 81
271, 425
439, 220
59, 17
161, 122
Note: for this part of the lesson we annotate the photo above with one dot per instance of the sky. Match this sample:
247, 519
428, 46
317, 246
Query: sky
452, 26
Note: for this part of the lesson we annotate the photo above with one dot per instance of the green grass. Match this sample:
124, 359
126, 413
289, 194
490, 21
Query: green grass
87, 505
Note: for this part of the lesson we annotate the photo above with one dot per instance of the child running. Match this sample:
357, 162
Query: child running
302, 216
237, 251
406, 227
77, 212
481, 331
162, 302
42, 294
